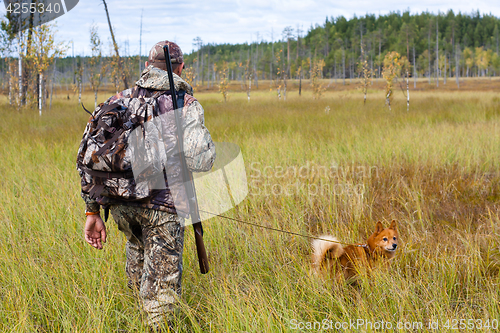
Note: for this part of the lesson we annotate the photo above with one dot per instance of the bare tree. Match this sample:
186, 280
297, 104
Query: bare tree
256, 63
496, 35
198, 43
414, 68
343, 65
457, 65
445, 65
79, 78
208, 66
288, 34
272, 56
429, 39
299, 31
140, 45
453, 50
96, 67
407, 33
120, 64
437, 52
380, 35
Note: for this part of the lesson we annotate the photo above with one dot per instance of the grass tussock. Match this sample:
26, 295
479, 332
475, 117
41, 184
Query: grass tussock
313, 167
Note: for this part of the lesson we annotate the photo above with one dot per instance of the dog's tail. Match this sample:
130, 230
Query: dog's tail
323, 246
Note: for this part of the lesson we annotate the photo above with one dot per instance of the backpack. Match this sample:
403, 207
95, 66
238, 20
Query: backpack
121, 148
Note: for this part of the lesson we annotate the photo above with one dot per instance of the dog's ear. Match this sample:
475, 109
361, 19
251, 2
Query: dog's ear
379, 227
393, 225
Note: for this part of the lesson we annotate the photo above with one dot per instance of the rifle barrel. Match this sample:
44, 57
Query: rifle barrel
188, 177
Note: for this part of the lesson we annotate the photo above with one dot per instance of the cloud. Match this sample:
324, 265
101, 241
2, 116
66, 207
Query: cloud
225, 21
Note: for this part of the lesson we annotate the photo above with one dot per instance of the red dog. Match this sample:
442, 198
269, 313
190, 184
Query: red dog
351, 259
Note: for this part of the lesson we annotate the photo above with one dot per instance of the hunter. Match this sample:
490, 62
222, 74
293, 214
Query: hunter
153, 227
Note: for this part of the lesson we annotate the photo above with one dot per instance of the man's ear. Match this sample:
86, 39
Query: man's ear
393, 225
379, 227
147, 64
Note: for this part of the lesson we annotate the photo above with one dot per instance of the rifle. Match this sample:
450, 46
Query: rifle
187, 175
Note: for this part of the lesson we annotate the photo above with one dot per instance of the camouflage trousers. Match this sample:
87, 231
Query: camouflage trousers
155, 241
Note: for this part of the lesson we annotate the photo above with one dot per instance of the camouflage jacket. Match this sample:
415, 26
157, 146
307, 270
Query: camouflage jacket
199, 148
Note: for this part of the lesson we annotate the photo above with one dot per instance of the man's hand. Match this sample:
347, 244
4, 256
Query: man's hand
95, 231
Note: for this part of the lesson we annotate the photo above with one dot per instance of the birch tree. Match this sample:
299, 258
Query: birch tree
316, 73
468, 58
7, 37
366, 74
392, 68
224, 80
46, 50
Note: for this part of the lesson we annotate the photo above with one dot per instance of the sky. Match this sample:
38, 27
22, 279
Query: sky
226, 21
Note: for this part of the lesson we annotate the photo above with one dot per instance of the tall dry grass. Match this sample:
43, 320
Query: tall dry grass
314, 166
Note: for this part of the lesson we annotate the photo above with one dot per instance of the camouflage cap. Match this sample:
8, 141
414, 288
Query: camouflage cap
157, 56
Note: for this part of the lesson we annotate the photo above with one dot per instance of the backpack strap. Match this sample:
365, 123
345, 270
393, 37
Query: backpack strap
158, 94
107, 175
96, 191
117, 134
135, 92
131, 122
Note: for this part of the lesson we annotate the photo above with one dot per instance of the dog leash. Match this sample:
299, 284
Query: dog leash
283, 231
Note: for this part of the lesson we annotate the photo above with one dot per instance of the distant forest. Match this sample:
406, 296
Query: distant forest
434, 45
